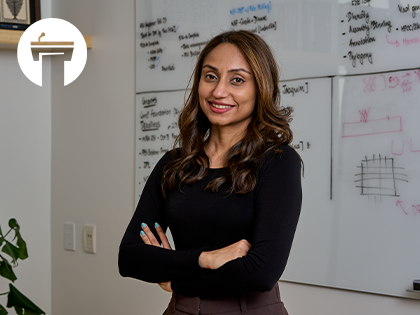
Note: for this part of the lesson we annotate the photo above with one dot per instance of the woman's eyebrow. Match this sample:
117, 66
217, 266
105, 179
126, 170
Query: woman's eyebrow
211, 67
231, 70
239, 69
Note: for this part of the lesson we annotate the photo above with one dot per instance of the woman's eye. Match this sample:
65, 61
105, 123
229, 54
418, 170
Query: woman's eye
238, 80
210, 76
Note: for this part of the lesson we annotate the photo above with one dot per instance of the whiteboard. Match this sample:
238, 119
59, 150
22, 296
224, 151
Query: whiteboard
350, 70
377, 181
312, 140
310, 38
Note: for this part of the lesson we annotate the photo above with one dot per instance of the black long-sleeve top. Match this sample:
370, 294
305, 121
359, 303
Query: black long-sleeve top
203, 221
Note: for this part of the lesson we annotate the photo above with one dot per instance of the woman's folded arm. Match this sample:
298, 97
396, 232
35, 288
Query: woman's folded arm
147, 262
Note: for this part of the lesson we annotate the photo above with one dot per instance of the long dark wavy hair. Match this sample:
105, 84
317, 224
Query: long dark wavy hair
268, 129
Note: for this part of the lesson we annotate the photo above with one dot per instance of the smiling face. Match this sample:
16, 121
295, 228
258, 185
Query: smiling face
227, 89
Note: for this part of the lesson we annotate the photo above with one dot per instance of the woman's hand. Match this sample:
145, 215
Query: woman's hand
217, 258
166, 286
148, 238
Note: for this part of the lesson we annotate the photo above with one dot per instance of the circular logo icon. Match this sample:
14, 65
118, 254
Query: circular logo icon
52, 37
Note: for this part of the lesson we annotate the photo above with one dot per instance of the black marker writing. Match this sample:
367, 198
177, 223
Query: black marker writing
259, 19
199, 44
149, 152
149, 102
364, 27
404, 9
293, 90
359, 2
360, 57
415, 8
149, 44
168, 68
363, 15
169, 29
151, 24
267, 27
189, 35
163, 112
156, 51
376, 24
410, 27
362, 41
149, 126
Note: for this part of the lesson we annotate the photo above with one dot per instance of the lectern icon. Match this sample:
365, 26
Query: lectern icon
40, 49
56, 38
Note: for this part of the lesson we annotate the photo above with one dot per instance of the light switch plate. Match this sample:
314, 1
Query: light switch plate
89, 238
70, 236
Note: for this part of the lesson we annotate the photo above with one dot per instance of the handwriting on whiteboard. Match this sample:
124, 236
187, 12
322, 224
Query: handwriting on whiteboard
414, 208
384, 82
302, 145
295, 89
360, 2
406, 8
364, 115
368, 22
252, 8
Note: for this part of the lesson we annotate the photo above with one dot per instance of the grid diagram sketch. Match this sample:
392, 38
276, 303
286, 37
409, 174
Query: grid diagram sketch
379, 177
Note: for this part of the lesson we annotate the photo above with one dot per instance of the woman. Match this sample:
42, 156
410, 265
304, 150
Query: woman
231, 192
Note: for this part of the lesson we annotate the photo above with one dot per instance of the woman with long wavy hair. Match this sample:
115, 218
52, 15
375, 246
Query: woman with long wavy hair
229, 191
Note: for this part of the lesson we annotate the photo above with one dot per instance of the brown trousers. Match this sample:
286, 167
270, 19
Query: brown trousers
255, 303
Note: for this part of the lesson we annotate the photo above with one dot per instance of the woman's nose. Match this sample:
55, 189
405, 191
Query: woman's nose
221, 89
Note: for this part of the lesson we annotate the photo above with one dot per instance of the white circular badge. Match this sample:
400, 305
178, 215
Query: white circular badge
49, 37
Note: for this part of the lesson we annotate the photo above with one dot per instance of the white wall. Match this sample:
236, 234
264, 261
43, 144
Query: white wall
93, 165
92, 179
25, 173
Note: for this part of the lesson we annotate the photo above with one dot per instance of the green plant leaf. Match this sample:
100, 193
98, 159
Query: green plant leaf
6, 271
21, 244
17, 300
11, 250
23, 251
13, 224
3, 310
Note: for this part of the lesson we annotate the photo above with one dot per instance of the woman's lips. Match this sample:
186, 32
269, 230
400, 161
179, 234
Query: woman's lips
221, 107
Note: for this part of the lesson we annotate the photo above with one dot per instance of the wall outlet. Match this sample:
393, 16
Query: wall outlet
70, 236
89, 238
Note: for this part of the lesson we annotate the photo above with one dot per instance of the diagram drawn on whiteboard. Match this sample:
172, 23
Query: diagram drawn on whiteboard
366, 127
379, 177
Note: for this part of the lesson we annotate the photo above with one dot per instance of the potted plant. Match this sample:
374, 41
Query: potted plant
15, 249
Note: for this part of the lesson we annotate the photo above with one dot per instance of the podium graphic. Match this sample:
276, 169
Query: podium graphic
40, 49
56, 38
